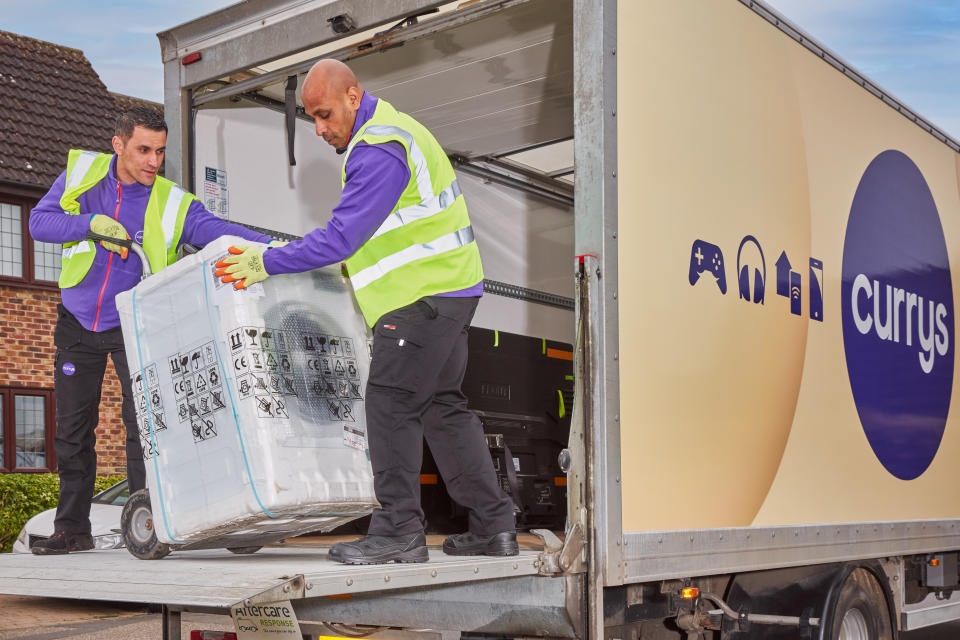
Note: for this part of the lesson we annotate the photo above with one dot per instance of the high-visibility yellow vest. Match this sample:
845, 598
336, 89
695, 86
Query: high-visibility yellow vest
162, 221
426, 245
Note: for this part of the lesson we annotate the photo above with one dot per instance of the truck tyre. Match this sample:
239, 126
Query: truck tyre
861, 611
136, 522
243, 550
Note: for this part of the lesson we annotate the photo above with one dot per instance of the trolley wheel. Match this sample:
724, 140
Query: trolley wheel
861, 612
243, 550
136, 521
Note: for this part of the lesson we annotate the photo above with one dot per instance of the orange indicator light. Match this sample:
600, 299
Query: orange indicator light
689, 593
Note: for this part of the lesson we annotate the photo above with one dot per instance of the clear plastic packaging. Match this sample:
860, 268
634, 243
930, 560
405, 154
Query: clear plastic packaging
250, 403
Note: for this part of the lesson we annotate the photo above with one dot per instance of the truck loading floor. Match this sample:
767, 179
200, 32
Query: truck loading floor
219, 578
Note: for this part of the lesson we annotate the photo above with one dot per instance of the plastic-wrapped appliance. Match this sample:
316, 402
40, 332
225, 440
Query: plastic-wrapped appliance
250, 403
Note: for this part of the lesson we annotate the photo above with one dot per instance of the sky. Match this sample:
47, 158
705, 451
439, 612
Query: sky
911, 48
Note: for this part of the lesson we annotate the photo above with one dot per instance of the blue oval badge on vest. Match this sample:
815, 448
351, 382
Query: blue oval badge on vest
897, 308
68, 368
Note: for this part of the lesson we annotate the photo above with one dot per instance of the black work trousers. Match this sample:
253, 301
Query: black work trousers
419, 358
81, 361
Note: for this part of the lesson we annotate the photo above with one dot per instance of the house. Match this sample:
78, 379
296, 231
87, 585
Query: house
51, 100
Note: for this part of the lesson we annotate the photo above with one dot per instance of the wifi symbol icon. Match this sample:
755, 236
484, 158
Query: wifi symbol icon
789, 285
796, 303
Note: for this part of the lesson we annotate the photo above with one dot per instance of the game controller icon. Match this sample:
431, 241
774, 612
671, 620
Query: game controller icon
707, 257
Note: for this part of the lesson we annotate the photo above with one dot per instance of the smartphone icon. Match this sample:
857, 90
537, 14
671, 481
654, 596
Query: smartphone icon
796, 304
816, 289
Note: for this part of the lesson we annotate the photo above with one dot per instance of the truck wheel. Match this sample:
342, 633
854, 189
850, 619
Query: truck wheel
861, 612
136, 521
243, 550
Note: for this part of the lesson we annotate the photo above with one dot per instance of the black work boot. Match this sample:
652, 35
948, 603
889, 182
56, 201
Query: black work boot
62, 542
382, 549
468, 544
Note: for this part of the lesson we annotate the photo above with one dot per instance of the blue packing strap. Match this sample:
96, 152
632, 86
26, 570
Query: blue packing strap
153, 435
233, 405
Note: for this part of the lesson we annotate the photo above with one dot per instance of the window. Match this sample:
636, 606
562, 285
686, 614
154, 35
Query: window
11, 240
118, 494
26, 430
21, 259
46, 261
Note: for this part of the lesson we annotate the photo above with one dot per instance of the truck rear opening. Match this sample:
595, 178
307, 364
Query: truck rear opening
503, 110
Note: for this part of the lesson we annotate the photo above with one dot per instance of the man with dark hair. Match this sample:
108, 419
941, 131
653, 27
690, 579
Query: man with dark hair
139, 117
119, 196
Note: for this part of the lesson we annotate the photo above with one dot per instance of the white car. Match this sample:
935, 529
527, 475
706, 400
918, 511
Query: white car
105, 513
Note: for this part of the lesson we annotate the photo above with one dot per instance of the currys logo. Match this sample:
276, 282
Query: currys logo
897, 308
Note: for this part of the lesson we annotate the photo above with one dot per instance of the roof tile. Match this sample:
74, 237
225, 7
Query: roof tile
51, 100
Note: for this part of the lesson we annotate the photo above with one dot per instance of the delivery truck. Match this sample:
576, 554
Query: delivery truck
749, 245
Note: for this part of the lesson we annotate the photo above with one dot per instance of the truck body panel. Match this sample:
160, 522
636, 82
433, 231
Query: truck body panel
777, 156
756, 396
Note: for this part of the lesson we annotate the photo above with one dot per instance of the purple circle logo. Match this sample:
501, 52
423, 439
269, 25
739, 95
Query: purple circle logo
897, 308
68, 368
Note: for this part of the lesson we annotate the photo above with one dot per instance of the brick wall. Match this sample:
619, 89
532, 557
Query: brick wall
27, 319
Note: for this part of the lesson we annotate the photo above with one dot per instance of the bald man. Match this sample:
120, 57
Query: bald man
403, 229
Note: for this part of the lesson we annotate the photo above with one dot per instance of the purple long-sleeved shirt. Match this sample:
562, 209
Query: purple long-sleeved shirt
377, 174
92, 300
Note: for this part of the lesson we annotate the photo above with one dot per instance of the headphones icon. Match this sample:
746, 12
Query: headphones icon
743, 272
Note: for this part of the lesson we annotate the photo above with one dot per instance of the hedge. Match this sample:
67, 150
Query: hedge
23, 495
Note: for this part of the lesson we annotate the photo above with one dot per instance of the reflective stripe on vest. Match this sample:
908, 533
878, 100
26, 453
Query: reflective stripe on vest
422, 176
430, 207
80, 168
170, 211
449, 242
68, 252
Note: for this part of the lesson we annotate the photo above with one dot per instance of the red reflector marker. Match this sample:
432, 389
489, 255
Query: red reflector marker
190, 58
197, 634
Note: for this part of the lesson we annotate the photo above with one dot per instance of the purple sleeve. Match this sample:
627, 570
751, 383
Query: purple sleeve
200, 228
50, 223
376, 177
